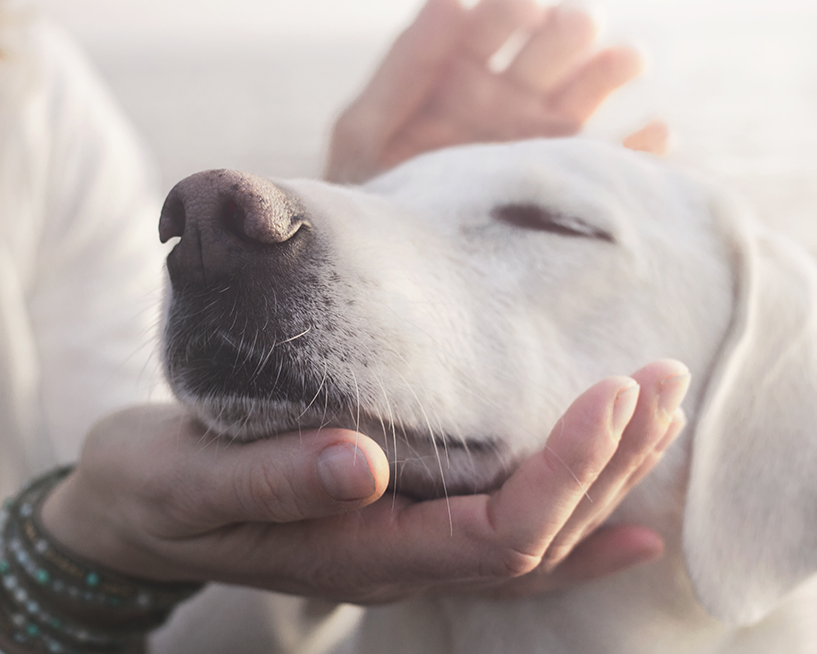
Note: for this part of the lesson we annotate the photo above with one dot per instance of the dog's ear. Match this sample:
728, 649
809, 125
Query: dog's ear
750, 528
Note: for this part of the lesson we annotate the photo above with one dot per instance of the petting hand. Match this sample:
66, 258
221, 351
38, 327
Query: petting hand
435, 88
301, 514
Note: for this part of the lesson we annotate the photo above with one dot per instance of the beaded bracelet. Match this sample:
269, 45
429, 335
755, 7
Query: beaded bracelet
54, 602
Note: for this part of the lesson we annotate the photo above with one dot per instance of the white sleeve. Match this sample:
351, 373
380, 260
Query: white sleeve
80, 262
97, 285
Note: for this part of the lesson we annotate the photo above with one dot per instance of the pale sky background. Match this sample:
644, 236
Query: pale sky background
255, 84
224, 18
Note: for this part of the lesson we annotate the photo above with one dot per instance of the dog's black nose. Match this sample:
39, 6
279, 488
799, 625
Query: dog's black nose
224, 218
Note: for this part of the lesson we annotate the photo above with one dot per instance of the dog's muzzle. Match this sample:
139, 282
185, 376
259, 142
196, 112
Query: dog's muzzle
261, 338
248, 287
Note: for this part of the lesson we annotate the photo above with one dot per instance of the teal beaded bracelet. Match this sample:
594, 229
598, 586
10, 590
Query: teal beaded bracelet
52, 601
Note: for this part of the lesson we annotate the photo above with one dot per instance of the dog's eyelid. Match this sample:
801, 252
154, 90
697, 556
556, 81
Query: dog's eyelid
534, 216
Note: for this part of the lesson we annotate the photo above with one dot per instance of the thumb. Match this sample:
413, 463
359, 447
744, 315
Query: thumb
285, 478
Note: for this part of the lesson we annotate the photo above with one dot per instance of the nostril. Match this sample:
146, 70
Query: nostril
260, 220
173, 218
233, 218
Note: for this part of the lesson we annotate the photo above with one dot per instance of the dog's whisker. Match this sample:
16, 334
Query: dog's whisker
317, 394
436, 451
297, 336
357, 400
386, 430
264, 361
234, 312
325, 395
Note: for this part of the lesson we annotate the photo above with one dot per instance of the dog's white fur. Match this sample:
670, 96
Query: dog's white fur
458, 324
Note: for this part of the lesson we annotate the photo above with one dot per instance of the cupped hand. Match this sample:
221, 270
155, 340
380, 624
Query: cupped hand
436, 88
305, 513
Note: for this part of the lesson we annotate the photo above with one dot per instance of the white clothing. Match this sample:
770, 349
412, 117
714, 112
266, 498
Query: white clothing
81, 273
80, 263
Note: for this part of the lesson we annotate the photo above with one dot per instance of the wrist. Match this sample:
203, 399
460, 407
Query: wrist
54, 601
88, 523
72, 518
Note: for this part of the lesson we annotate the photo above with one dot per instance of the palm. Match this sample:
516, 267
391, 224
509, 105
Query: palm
436, 87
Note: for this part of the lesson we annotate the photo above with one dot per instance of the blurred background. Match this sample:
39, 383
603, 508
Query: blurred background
255, 84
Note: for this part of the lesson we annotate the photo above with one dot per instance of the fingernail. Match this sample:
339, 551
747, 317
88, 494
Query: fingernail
671, 394
624, 407
344, 473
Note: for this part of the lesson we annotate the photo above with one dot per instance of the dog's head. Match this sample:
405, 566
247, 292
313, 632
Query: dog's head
454, 307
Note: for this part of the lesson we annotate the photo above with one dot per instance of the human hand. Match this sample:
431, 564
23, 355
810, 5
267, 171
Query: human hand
300, 514
435, 89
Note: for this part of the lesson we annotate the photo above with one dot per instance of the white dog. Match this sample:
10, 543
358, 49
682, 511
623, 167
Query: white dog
461, 302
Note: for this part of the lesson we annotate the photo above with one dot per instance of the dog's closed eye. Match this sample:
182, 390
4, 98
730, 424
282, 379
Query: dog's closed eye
534, 216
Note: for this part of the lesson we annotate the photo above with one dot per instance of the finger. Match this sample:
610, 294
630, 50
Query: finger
583, 92
676, 427
492, 22
470, 105
663, 386
606, 552
196, 481
398, 88
477, 105
536, 501
286, 478
655, 137
410, 69
603, 553
429, 131
603, 508
554, 49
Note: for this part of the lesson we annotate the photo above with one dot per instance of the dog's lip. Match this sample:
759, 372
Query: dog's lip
473, 445
424, 465
315, 419
483, 457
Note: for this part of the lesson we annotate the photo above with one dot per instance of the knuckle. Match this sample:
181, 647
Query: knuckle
268, 493
581, 469
510, 563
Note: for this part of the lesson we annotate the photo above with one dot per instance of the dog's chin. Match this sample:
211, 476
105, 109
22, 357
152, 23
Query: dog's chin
424, 465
